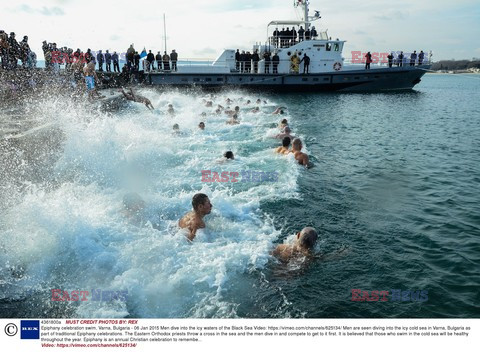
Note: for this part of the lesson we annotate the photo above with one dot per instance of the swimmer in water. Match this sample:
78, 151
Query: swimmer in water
302, 247
233, 120
227, 156
201, 125
286, 133
137, 98
170, 110
279, 110
194, 220
283, 124
255, 109
284, 148
209, 104
300, 157
232, 112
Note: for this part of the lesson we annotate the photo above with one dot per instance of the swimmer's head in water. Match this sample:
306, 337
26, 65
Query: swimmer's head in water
201, 203
284, 122
229, 155
133, 202
297, 144
281, 112
234, 116
201, 125
307, 237
287, 129
176, 127
286, 142
237, 108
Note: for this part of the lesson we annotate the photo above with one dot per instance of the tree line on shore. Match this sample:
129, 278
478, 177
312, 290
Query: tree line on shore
452, 65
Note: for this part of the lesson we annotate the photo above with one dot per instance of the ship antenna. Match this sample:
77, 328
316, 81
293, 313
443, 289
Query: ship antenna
165, 32
304, 4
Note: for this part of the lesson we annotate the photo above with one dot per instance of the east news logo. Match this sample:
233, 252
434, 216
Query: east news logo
29, 329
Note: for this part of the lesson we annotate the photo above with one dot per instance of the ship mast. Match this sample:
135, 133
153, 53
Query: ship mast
304, 4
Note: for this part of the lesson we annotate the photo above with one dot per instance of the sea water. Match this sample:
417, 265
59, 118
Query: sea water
393, 193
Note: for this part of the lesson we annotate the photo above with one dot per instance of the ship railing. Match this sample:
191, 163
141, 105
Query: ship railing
384, 62
281, 43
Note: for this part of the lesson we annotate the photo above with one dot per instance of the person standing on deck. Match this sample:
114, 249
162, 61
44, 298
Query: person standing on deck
275, 62
267, 59
301, 33
174, 59
166, 61
400, 59
368, 61
306, 63
150, 61
413, 58
237, 60
390, 60
421, 56
158, 57
255, 59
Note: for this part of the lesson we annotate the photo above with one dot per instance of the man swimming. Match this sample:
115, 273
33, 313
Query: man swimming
227, 156
284, 148
201, 125
233, 120
137, 98
278, 110
302, 158
283, 124
286, 133
236, 111
302, 247
170, 110
194, 220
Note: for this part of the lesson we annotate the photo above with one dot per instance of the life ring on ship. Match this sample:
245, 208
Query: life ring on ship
337, 66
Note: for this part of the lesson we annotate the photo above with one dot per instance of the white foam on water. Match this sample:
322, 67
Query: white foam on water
76, 237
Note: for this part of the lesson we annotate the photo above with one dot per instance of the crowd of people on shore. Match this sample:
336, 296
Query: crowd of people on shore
12, 51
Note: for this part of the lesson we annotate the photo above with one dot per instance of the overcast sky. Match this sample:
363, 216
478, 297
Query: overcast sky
203, 28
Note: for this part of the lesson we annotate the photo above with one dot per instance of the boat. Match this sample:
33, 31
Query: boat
328, 69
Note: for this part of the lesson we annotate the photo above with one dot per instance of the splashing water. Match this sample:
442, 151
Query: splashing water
63, 225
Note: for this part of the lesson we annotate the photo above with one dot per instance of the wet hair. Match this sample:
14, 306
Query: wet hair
281, 112
237, 108
284, 121
297, 143
199, 199
176, 126
308, 237
286, 142
201, 124
228, 155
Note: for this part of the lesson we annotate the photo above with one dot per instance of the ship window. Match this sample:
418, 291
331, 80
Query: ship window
326, 79
196, 79
240, 79
357, 77
329, 47
315, 79
251, 79
208, 79
336, 47
184, 80
304, 79
289, 53
219, 79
